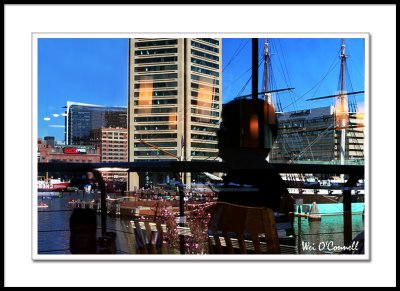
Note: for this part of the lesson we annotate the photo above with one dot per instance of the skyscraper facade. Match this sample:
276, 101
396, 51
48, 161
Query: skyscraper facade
174, 98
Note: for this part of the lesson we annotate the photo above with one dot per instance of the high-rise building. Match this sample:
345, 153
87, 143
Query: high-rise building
175, 99
311, 135
82, 118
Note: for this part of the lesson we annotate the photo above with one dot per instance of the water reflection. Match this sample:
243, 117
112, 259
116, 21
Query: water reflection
53, 224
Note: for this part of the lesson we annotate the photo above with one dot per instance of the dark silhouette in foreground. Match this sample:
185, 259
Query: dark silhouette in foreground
252, 202
83, 227
239, 145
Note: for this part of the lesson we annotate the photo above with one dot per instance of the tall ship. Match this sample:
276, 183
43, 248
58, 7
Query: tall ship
327, 135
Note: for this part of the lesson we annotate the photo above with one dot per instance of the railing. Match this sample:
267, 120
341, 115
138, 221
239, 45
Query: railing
354, 172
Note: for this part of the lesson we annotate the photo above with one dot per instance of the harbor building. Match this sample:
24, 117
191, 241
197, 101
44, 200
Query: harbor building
81, 118
311, 135
67, 154
175, 99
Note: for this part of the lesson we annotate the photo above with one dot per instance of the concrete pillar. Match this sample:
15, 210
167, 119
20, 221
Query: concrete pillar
133, 181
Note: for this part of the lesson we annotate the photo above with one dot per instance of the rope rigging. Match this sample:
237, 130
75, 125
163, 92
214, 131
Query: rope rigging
236, 53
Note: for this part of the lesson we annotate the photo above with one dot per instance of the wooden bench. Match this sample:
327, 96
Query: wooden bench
237, 229
149, 237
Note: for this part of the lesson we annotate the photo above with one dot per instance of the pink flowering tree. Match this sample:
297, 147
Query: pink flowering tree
197, 220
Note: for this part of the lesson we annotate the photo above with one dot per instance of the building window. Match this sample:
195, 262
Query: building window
204, 79
204, 104
160, 93
205, 47
155, 127
156, 110
205, 63
156, 43
204, 137
204, 71
156, 60
156, 51
210, 40
156, 68
204, 112
204, 145
155, 136
158, 144
205, 87
203, 128
205, 120
153, 153
206, 97
158, 102
204, 154
154, 119
204, 55
157, 76
159, 85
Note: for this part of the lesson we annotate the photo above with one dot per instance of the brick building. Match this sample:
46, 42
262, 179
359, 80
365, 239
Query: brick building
67, 154
112, 144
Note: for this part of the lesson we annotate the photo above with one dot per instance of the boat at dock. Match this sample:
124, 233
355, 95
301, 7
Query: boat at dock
42, 205
52, 185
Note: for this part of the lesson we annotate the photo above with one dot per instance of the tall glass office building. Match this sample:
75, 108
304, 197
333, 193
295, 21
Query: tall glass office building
82, 118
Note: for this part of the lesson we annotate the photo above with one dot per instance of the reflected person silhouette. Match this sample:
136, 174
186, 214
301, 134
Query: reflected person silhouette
239, 145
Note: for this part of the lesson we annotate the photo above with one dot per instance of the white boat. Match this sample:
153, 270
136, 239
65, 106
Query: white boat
42, 205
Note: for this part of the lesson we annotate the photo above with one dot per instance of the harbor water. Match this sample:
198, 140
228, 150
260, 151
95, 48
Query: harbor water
54, 234
53, 224
326, 235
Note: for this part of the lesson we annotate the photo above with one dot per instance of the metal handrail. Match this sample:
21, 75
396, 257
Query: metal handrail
355, 172
202, 166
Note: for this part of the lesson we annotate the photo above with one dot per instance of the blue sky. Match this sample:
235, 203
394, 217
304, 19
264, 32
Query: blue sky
95, 71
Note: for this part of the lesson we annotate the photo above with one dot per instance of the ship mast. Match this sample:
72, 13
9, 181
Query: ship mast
342, 103
266, 72
267, 95
341, 107
267, 92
